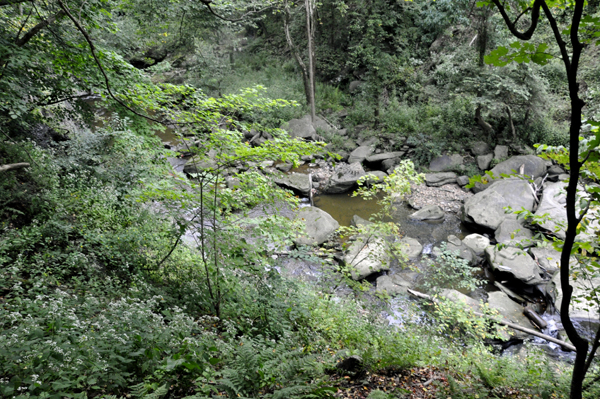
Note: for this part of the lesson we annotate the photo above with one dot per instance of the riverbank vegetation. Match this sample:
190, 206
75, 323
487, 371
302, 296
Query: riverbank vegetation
122, 277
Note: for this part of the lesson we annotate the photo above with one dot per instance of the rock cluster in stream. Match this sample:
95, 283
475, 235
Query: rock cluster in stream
523, 262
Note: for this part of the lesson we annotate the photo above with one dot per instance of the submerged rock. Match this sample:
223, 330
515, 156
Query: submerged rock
318, 226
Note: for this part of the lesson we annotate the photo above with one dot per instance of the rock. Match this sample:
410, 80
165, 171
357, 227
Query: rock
393, 285
479, 148
322, 124
318, 225
510, 311
512, 232
357, 221
476, 243
484, 161
390, 164
232, 182
440, 179
486, 208
553, 203
353, 364
457, 247
533, 166
458, 297
360, 154
583, 309
462, 180
344, 177
516, 263
197, 164
355, 85
411, 247
383, 156
366, 256
555, 170
302, 128
445, 162
284, 167
375, 177
500, 152
430, 212
297, 182
549, 258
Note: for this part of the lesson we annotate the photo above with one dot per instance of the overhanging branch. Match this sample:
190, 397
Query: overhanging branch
512, 25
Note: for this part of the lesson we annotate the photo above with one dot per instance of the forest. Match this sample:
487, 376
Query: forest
299, 199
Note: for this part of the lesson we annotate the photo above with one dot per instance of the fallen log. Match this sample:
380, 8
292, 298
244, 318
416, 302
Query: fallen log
565, 345
13, 166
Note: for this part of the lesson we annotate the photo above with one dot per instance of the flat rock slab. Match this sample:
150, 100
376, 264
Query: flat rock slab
383, 156
515, 262
510, 311
392, 285
532, 166
343, 178
486, 208
318, 225
440, 179
360, 154
511, 232
366, 256
295, 181
430, 212
411, 247
445, 162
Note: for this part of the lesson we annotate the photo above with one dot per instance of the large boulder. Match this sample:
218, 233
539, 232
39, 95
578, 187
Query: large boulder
440, 179
298, 182
480, 148
360, 154
430, 212
301, 128
512, 232
322, 124
515, 262
459, 297
486, 208
581, 308
476, 243
392, 285
366, 256
445, 162
411, 247
318, 225
343, 178
549, 258
532, 166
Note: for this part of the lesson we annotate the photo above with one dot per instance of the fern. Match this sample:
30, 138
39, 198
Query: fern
142, 390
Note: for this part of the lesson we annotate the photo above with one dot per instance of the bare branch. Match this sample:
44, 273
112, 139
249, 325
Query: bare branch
36, 29
11, 2
535, 17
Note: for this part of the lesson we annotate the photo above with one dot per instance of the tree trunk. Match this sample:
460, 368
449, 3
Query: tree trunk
310, 33
296, 54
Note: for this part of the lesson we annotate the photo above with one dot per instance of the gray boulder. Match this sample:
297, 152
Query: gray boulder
462, 180
583, 309
549, 258
322, 124
553, 203
501, 152
197, 164
532, 165
440, 179
512, 232
516, 263
301, 128
366, 256
343, 178
510, 311
392, 285
486, 208
298, 182
476, 243
445, 162
360, 154
357, 221
355, 85
383, 156
484, 161
375, 177
389, 164
459, 297
411, 247
479, 148
318, 225
430, 212
457, 247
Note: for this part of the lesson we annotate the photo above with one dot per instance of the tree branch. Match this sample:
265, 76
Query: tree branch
535, 16
14, 166
11, 2
36, 29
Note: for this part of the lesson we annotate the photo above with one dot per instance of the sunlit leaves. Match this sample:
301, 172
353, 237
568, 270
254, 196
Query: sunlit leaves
520, 52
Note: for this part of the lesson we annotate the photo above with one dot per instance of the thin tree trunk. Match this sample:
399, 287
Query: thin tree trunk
296, 53
512, 125
310, 31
